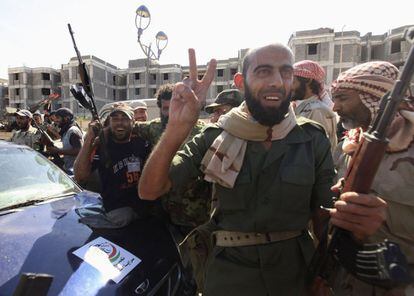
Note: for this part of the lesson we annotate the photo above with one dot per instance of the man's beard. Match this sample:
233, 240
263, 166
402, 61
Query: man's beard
123, 137
63, 123
24, 126
267, 116
348, 123
299, 93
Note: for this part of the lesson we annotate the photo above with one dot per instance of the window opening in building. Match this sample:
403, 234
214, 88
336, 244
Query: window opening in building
220, 88
16, 76
137, 91
45, 76
220, 72
137, 76
396, 46
45, 91
166, 76
233, 71
17, 91
312, 48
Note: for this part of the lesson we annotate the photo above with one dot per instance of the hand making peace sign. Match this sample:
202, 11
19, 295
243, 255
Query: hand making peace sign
190, 94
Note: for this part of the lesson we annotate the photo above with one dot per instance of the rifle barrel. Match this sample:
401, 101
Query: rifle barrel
397, 94
74, 44
83, 73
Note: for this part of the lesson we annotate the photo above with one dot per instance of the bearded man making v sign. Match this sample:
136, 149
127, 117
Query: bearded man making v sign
270, 175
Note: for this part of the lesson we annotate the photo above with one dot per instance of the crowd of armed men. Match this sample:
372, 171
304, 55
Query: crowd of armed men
252, 192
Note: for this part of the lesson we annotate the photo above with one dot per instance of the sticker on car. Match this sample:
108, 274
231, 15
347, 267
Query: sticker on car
110, 259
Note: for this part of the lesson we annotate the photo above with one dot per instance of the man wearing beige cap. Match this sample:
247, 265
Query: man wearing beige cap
119, 159
140, 111
224, 102
26, 134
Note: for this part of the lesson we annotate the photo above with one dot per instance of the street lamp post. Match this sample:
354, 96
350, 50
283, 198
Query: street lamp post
142, 21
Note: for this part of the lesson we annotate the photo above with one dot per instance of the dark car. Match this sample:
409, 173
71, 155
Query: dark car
42, 224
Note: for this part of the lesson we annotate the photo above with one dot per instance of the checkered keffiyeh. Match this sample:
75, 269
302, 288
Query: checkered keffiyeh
309, 69
372, 80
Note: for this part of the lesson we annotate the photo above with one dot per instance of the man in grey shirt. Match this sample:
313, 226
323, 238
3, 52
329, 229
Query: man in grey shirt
71, 136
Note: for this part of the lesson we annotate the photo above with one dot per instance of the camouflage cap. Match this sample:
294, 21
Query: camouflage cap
232, 97
24, 113
123, 108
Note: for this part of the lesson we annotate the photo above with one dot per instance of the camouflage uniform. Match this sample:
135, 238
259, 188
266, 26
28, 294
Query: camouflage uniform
189, 206
149, 130
30, 138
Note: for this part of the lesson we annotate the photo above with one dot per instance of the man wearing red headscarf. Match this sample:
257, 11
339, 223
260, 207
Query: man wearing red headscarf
310, 98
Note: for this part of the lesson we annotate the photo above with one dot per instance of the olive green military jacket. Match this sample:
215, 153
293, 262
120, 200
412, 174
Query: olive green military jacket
276, 190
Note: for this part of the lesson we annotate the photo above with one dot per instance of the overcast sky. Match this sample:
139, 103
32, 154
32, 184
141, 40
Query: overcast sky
34, 33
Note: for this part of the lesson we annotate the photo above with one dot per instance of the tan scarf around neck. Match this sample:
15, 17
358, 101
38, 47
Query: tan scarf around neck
224, 159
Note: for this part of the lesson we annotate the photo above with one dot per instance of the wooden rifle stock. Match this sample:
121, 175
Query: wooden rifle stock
364, 164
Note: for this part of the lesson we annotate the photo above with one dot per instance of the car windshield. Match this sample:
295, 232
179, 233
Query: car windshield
25, 176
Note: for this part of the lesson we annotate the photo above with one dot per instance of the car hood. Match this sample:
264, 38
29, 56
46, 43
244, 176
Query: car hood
42, 237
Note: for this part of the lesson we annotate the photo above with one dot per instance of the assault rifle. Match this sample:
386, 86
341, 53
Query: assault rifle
381, 264
47, 140
87, 102
77, 91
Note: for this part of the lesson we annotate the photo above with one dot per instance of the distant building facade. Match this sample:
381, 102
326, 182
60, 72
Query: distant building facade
4, 95
335, 51
27, 86
108, 82
339, 51
143, 84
